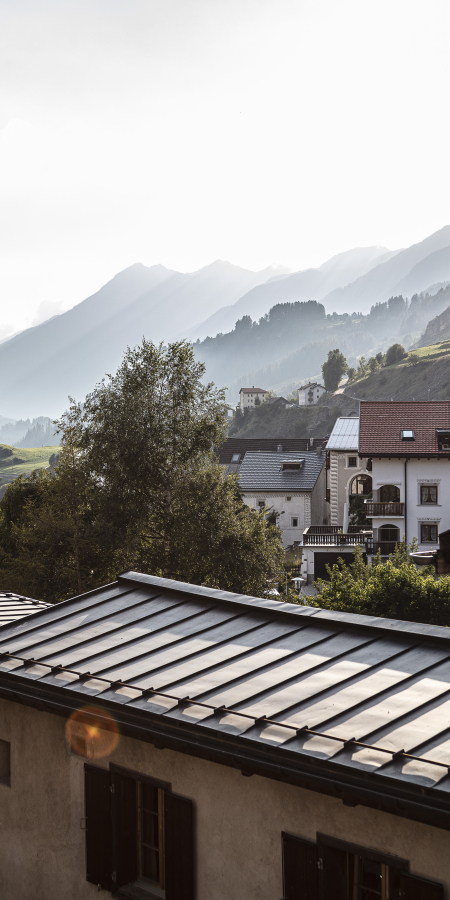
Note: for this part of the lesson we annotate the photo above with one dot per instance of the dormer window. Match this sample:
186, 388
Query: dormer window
443, 438
408, 434
291, 466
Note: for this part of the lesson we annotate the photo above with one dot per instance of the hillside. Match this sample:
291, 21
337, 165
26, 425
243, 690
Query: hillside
69, 353
290, 343
422, 371
22, 460
439, 327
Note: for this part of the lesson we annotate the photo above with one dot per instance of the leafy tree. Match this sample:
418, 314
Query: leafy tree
373, 365
351, 372
394, 354
362, 367
137, 486
257, 401
379, 358
395, 589
333, 369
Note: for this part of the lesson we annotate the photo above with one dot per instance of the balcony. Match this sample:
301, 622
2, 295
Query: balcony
384, 510
331, 536
385, 547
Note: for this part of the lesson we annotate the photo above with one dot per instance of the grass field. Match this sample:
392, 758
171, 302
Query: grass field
31, 458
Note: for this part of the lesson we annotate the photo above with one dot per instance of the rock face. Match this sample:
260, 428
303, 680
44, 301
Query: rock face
437, 330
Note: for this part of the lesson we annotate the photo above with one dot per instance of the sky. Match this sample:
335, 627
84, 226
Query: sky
183, 131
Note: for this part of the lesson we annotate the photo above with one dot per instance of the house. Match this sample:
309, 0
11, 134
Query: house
291, 485
163, 740
231, 453
280, 402
248, 396
409, 445
14, 607
310, 393
348, 484
349, 476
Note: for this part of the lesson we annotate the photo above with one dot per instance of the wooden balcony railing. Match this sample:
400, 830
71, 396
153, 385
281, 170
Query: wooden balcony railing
387, 510
335, 538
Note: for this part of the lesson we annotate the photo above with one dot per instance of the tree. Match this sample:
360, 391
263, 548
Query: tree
395, 589
351, 372
138, 486
373, 365
333, 369
394, 354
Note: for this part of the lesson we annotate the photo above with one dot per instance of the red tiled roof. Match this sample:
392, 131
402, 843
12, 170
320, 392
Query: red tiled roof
381, 423
253, 390
311, 384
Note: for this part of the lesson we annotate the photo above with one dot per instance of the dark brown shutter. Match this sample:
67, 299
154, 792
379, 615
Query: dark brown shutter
299, 869
98, 826
333, 873
125, 829
179, 847
413, 888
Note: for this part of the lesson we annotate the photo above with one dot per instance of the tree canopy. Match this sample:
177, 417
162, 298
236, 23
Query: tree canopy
137, 486
333, 369
395, 589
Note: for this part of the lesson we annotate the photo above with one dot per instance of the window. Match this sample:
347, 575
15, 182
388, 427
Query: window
261, 504
236, 457
288, 499
5, 764
390, 493
443, 439
334, 870
352, 462
294, 522
428, 534
292, 466
428, 493
407, 434
139, 836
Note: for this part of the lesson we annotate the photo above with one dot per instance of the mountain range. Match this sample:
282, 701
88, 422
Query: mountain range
69, 353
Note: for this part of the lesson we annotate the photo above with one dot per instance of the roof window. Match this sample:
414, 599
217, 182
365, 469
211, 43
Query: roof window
408, 434
443, 438
291, 466
236, 457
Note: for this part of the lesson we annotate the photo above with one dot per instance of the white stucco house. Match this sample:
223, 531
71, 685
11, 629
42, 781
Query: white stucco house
310, 394
247, 397
291, 485
409, 445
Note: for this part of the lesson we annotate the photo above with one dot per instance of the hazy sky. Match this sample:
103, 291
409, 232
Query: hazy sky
182, 131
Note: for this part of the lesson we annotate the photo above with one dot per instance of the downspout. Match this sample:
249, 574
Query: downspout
406, 502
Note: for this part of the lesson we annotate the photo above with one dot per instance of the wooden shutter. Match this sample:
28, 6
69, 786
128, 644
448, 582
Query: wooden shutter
413, 888
179, 847
333, 873
98, 826
125, 836
299, 869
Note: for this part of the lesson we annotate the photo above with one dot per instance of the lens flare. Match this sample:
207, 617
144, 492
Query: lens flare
92, 732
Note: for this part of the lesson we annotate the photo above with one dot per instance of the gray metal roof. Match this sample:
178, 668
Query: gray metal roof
345, 434
262, 471
343, 693
13, 607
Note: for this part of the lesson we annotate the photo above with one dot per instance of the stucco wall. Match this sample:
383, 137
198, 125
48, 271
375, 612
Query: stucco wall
299, 506
239, 820
434, 471
340, 478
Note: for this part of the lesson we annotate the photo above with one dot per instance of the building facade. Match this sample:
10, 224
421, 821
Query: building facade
409, 445
349, 476
310, 394
248, 396
291, 486
172, 741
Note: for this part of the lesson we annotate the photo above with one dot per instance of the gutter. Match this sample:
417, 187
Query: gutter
337, 780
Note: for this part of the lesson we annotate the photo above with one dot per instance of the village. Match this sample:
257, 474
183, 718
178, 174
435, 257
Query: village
187, 742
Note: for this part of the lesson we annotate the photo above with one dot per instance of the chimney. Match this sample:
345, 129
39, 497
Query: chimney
319, 450
279, 448
311, 441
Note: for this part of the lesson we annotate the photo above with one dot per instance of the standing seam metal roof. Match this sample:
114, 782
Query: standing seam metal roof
14, 606
366, 695
263, 472
345, 434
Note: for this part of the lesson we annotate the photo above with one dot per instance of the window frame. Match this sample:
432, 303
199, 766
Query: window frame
352, 462
153, 889
384, 859
428, 525
428, 487
294, 521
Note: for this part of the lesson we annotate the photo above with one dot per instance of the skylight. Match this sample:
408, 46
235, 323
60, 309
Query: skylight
408, 434
293, 466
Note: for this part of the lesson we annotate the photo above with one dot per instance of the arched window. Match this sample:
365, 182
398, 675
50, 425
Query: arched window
390, 493
362, 484
389, 533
